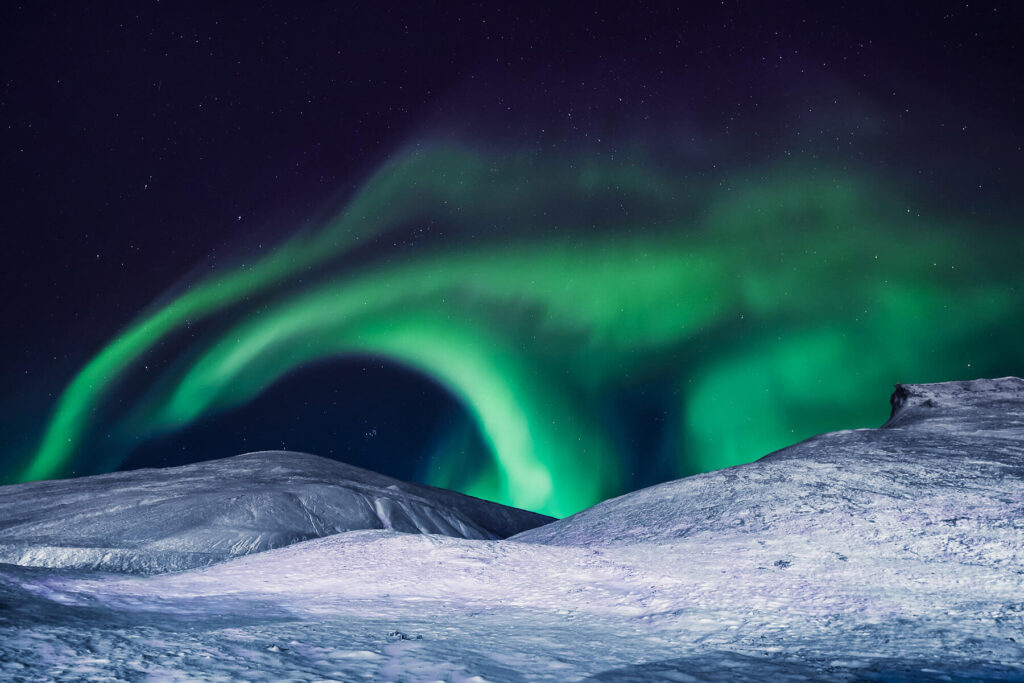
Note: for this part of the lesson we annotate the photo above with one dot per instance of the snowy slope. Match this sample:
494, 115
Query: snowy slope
887, 554
948, 464
155, 520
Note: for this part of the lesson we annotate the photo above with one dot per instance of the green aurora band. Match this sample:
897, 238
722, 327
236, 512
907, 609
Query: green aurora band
769, 307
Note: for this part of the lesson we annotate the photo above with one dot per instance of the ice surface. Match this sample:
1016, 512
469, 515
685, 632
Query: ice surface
887, 554
156, 520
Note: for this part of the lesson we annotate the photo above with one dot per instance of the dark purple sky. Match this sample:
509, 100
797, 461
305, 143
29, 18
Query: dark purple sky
143, 141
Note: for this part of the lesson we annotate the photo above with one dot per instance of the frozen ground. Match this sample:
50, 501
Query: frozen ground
888, 554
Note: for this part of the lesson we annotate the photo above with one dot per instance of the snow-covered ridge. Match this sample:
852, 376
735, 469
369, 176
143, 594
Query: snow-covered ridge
949, 449
168, 519
914, 404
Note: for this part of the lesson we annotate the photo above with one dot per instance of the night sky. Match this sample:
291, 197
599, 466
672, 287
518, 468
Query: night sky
542, 256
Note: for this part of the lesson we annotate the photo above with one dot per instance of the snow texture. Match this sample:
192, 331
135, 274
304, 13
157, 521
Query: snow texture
892, 554
157, 520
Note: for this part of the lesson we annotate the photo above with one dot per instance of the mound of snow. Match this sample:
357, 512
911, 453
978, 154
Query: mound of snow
156, 520
952, 453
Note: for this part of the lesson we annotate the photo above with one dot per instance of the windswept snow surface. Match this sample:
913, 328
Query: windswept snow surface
158, 520
951, 456
887, 554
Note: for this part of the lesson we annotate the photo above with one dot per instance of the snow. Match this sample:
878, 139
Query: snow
158, 520
888, 554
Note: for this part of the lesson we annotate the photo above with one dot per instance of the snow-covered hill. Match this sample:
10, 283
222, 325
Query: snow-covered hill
892, 554
949, 464
155, 520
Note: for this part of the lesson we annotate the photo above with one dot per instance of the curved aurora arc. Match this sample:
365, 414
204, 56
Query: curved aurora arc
763, 305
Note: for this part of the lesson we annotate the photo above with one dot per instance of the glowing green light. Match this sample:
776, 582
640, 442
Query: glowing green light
778, 306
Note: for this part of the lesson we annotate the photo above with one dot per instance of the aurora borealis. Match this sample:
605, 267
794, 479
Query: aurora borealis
755, 302
752, 304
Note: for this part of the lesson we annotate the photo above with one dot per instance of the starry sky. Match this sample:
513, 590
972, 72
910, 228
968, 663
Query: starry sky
537, 254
